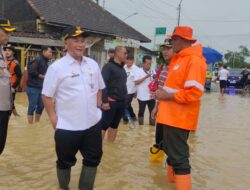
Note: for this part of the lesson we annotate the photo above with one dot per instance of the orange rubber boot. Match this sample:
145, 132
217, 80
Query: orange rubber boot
183, 182
170, 174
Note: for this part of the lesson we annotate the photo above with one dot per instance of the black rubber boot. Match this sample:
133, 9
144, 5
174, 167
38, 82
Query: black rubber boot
87, 178
141, 120
63, 176
152, 122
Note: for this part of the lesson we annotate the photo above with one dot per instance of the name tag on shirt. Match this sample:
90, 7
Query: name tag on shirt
75, 75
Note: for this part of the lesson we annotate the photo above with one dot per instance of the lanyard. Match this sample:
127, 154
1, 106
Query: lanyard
1, 53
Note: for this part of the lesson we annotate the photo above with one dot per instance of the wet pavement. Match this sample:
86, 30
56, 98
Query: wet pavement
220, 152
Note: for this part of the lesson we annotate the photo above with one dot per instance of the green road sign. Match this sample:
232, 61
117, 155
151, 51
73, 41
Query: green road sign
160, 31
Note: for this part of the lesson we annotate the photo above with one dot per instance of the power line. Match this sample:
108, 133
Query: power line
146, 4
130, 4
204, 38
157, 17
219, 21
168, 4
115, 12
112, 11
227, 35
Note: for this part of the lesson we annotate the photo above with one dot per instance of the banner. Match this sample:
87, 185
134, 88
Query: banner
108, 44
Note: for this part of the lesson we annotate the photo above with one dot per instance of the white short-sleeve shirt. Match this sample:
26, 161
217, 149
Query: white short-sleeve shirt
131, 87
75, 88
223, 74
143, 92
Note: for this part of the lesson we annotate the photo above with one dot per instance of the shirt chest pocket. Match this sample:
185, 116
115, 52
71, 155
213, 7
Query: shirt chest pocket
73, 81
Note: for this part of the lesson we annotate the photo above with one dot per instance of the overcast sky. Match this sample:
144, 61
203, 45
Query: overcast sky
220, 24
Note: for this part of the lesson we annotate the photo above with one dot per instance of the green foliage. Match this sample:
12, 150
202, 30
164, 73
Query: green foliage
237, 59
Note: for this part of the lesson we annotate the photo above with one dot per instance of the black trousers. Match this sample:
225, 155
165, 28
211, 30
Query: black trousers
176, 147
111, 118
13, 98
68, 143
4, 121
142, 106
159, 136
129, 107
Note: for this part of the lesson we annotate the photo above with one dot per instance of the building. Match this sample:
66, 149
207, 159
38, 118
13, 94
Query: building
145, 51
41, 22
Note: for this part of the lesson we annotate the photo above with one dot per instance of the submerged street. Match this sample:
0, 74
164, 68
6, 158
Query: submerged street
219, 152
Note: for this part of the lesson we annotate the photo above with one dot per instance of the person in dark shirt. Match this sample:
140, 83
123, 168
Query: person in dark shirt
245, 74
15, 71
115, 93
36, 72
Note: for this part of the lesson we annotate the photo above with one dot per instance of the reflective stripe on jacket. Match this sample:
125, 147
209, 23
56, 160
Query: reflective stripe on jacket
186, 79
16, 73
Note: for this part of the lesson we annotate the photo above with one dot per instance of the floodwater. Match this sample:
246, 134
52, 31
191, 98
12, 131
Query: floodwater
220, 152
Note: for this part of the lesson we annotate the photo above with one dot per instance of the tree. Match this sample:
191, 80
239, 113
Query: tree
237, 59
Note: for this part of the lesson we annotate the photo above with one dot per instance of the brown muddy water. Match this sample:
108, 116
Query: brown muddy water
220, 152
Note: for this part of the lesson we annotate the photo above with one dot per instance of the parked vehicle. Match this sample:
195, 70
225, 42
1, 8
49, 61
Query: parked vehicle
234, 78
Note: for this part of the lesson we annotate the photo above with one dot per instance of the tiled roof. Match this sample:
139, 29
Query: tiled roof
85, 13
36, 41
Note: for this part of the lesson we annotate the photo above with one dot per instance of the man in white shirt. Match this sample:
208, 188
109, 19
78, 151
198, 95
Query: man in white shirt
223, 75
5, 86
75, 82
130, 69
142, 79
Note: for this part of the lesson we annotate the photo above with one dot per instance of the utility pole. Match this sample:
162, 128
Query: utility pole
3, 7
154, 48
97, 1
179, 12
103, 4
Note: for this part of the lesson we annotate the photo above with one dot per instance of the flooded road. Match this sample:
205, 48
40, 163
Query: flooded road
220, 152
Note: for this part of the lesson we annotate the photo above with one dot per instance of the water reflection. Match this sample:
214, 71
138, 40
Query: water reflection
219, 152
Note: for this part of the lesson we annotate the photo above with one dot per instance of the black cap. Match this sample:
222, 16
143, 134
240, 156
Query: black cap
167, 43
11, 47
74, 31
5, 25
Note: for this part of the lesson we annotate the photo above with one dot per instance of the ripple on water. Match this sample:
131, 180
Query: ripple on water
219, 152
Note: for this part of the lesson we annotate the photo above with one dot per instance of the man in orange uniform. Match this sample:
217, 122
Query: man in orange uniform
180, 104
15, 71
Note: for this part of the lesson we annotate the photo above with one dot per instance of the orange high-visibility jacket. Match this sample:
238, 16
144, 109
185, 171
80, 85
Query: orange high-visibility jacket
12, 65
186, 79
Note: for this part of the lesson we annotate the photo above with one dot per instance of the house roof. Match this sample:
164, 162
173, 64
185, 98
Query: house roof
85, 13
153, 52
36, 41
